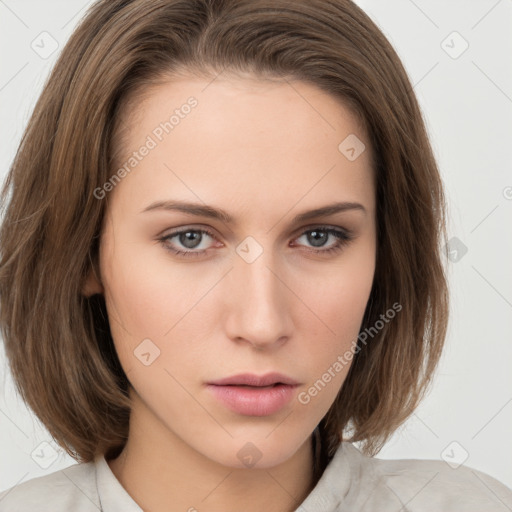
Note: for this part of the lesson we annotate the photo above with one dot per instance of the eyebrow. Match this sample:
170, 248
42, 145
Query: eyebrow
203, 210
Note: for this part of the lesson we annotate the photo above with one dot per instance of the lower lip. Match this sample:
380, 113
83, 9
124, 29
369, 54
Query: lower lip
254, 401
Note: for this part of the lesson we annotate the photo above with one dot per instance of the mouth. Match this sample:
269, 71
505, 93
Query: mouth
252, 380
253, 395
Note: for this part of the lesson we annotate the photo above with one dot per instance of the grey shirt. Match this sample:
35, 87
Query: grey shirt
352, 482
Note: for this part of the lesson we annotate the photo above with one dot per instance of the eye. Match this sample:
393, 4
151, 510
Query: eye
195, 241
319, 235
188, 238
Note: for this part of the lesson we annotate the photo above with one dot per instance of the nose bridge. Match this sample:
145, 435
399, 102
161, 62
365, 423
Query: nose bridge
259, 303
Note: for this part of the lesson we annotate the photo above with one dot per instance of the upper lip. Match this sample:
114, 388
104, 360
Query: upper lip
250, 379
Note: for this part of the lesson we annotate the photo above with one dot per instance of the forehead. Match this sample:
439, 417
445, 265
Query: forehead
244, 141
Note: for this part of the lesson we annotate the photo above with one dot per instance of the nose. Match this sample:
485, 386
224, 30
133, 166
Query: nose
258, 309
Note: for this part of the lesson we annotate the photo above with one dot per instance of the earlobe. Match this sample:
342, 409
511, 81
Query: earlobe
92, 285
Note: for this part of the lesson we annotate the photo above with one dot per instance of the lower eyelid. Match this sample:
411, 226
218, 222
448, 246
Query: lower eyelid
342, 236
203, 231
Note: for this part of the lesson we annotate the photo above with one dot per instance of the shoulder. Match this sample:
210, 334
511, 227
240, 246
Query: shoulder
423, 485
72, 488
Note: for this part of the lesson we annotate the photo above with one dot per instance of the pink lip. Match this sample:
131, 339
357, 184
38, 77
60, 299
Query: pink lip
254, 395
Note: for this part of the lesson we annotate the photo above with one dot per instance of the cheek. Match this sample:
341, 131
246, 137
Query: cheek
338, 301
149, 296
134, 292
343, 300
338, 293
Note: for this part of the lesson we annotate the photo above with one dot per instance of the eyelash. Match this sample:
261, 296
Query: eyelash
343, 238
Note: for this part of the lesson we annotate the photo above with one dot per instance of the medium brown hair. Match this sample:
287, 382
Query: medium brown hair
58, 341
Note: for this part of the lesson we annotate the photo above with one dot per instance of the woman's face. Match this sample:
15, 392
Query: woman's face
245, 296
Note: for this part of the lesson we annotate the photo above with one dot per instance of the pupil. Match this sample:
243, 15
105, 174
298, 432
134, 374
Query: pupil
317, 242
190, 239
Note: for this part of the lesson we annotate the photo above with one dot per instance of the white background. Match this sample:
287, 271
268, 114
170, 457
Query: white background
467, 104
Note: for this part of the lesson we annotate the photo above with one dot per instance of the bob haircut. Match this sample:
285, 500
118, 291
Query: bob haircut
58, 341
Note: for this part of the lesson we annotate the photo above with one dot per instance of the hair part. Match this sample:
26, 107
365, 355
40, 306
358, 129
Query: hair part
58, 341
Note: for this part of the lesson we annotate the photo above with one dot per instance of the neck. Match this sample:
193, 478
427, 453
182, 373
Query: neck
162, 473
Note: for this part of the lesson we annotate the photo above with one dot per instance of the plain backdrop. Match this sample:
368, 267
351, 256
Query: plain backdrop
457, 54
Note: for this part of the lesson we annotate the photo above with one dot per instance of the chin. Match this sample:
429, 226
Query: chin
248, 451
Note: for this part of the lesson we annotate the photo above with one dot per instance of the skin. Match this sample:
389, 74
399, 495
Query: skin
263, 151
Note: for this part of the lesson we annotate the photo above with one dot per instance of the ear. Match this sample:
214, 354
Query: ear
92, 283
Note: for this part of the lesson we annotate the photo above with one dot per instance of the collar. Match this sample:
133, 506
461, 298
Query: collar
113, 496
337, 485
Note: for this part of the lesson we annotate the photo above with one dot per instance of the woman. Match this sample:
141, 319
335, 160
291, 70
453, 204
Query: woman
221, 264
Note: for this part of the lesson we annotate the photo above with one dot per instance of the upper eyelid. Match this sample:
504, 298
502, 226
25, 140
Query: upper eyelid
209, 230
299, 232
